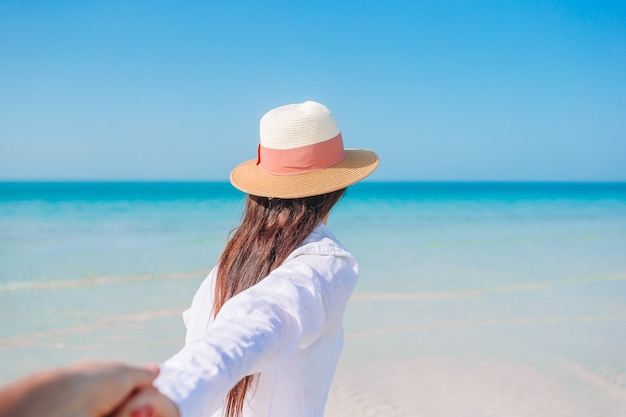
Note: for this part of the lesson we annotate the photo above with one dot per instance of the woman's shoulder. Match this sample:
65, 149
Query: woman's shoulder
323, 258
321, 242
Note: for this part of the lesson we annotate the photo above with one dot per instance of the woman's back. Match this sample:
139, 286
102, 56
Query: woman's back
303, 300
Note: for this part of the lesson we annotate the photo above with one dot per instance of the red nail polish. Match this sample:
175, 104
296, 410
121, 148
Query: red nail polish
141, 412
149, 411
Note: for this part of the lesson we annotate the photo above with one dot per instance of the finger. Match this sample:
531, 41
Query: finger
141, 400
148, 400
142, 376
130, 378
126, 379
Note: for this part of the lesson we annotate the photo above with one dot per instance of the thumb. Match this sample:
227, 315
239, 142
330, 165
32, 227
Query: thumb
143, 376
148, 402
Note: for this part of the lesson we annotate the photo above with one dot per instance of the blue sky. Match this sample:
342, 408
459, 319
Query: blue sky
462, 90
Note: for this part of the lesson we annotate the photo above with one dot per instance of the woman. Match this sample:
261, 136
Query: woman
264, 331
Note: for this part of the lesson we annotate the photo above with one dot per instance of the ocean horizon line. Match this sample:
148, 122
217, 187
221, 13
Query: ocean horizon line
365, 181
385, 190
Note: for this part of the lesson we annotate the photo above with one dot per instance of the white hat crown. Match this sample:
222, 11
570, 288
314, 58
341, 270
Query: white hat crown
297, 125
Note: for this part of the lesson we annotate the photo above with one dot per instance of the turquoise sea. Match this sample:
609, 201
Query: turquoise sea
530, 272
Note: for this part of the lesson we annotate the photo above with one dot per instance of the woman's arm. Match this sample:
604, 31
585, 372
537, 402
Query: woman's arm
254, 331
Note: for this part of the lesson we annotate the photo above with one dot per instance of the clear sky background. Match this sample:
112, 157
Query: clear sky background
442, 90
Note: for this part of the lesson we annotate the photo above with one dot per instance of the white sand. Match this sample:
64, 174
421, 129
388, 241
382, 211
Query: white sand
470, 387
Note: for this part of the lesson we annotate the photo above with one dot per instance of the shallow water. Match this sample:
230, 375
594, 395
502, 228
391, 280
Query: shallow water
529, 274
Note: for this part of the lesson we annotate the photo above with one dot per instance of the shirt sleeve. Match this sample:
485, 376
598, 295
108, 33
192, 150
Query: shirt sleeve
198, 316
256, 330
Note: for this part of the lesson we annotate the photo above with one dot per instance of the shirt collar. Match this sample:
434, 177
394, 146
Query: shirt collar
321, 241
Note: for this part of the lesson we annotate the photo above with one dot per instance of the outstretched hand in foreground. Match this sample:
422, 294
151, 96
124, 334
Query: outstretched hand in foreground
84, 389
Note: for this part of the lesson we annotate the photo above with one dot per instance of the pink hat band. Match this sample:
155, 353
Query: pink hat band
308, 158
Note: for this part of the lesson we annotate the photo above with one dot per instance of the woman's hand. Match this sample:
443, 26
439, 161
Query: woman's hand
148, 402
105, 386
84, 389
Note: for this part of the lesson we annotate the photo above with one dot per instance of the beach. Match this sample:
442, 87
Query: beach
475, 299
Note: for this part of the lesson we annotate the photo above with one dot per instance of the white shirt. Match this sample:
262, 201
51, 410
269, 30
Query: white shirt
288, 328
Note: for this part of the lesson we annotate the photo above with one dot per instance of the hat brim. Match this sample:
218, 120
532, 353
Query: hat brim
357, 164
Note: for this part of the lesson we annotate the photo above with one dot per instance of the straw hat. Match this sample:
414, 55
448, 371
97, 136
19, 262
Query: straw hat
301, 154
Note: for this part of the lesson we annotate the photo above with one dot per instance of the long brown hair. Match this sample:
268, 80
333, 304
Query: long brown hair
270, 230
